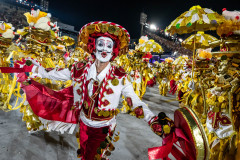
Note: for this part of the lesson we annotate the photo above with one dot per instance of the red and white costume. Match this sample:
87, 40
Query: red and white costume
84, 76
91, 101
86, 101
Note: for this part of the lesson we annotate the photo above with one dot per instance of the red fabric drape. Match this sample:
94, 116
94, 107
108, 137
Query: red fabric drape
50, 104
168, 147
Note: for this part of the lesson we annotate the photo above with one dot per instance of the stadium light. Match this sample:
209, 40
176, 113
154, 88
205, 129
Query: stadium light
153, 27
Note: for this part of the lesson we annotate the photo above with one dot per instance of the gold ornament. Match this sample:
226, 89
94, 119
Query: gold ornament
96, 110
115, 82
86, 104
124, 81
100, 113
105, 113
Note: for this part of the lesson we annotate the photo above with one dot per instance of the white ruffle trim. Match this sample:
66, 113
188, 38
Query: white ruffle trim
58, 126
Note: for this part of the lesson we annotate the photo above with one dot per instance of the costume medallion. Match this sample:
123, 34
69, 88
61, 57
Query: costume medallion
86, 104
100, 113
96, 110
115, 82
105, 113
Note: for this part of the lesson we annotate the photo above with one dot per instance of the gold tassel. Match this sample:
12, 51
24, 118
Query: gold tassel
116, 138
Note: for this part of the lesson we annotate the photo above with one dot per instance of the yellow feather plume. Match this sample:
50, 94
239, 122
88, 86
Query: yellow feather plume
32, 19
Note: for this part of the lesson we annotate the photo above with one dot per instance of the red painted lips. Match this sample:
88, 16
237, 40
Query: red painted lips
104, 54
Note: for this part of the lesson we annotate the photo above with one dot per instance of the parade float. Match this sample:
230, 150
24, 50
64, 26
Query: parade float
37, 41
6, 49
209, 86
223, 98
193, 108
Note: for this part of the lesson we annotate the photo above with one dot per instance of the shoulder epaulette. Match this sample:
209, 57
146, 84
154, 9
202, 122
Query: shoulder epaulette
119, 71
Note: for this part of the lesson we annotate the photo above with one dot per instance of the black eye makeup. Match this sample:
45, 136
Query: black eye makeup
109, 46
100, 43
104, 43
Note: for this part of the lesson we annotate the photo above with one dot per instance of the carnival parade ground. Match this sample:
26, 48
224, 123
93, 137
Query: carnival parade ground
135, 135
96, 81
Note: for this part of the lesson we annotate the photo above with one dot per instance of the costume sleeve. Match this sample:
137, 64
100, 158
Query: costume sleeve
136, 103
55, 74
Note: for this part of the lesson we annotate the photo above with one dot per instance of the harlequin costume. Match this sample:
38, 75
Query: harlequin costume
92, 99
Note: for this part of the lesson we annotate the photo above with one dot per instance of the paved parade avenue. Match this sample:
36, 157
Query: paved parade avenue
135, 135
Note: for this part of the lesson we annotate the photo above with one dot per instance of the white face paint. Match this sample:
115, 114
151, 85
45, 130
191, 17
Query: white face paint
104, 49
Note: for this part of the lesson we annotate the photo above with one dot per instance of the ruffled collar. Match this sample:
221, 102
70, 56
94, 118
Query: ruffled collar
92, 74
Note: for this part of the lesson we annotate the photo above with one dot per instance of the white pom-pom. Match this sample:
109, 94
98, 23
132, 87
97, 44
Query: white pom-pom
31, 24
49, 15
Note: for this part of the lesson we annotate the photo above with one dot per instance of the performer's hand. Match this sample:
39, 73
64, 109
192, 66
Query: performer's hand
24, 63
155, 126
161, 125
27, 64
166, 122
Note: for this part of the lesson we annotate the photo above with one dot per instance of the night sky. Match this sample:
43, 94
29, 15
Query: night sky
127, 13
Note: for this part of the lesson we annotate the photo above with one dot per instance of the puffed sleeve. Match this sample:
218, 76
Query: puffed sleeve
54, 74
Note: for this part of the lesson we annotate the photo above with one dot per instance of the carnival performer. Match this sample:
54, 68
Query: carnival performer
93, 98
